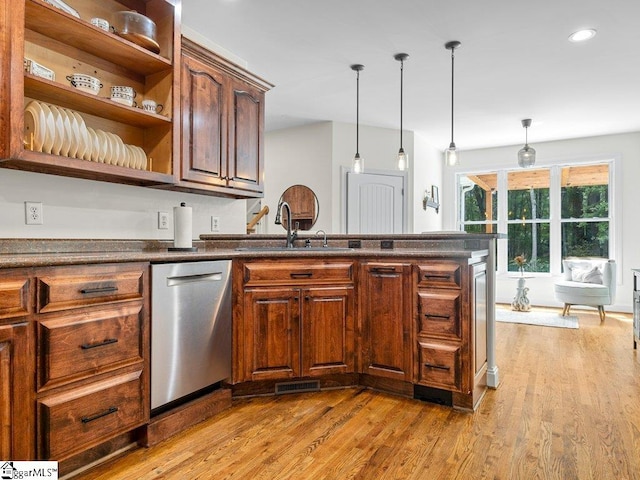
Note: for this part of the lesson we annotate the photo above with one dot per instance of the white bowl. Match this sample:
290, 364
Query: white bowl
85, 83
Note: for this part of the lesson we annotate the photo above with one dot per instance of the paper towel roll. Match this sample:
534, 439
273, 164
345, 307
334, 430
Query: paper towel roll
182, 226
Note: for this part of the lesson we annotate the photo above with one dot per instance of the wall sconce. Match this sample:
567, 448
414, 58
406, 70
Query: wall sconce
431, 199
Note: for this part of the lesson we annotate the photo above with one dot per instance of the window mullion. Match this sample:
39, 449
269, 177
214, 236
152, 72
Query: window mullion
555, 213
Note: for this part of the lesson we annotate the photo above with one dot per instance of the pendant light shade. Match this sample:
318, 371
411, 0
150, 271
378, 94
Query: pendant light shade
357, 166
527, 154
402, 159
451, 154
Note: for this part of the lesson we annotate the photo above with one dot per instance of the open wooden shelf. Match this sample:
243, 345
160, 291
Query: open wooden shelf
70, 97
59, 25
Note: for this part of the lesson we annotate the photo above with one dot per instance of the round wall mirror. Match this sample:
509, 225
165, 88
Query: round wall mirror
304, 207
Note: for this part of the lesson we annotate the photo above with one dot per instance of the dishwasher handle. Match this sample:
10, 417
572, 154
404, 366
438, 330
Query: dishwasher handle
202, 277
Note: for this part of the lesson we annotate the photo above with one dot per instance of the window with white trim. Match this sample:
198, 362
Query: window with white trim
548, 213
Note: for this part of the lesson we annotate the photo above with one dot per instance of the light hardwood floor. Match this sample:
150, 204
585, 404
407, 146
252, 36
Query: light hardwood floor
568, 407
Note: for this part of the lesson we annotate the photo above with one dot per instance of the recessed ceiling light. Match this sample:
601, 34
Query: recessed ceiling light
582, 35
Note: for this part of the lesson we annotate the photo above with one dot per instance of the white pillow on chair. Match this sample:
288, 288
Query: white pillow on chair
587, 275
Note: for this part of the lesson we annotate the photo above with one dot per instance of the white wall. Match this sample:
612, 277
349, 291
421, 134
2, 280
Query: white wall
625, 148
379, 148
314, 155
75, 208
427, 171
300, 155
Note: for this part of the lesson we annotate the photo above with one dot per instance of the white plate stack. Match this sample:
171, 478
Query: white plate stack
60, 131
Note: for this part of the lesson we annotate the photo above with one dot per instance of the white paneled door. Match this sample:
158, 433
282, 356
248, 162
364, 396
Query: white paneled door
375, 202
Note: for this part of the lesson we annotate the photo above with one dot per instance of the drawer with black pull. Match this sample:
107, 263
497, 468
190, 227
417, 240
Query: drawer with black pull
297, 272
81, 286
439, 366
439, 275
439, 313
74, 420
80, 344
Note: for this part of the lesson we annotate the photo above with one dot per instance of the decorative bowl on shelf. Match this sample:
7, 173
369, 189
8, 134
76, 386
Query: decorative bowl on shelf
85, 83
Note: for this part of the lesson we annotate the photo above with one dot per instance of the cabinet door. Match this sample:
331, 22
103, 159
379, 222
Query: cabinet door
17, 431
204, 129
272, 333
327, 331
386, 320
246, 137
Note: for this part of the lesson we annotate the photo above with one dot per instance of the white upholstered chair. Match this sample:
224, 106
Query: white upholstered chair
587, 281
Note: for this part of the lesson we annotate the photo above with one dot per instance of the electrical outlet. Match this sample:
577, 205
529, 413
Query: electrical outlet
215, 224
33, 213
163, 221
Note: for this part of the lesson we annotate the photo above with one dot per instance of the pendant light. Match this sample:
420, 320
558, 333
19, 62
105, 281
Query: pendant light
451, 155
527, 154
358, 162
402, 160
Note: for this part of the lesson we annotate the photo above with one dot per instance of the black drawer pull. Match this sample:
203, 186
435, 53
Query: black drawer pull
87, 291
91, 418
443, 317
428, 276
383, 270
108, 341
438, 367
301, 275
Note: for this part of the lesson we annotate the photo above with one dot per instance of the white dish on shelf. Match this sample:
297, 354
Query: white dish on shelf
133, 159
123, 158
35, 125
50, 129
94, 149
63, 6
81, 145
143, 157
102, 145
58, 138
115, 148
108, 158
84, 136
34, 68
70, 145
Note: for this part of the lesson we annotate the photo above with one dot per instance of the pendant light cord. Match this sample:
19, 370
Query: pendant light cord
357, 112
401, 84
452, 75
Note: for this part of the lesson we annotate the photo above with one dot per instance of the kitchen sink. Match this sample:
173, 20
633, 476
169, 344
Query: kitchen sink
293, 249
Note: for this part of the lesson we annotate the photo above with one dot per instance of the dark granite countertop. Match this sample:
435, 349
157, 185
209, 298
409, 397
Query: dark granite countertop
45, 252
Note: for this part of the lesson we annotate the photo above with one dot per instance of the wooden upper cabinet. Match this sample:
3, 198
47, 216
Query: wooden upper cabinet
130, 145
222, 126
203, 123
246, 138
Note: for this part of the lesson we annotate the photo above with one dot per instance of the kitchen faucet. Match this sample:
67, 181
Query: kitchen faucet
291, 236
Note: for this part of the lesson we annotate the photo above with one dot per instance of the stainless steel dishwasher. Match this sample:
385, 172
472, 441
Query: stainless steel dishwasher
190, 328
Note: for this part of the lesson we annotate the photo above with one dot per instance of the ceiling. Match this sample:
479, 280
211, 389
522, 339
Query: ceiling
515, 62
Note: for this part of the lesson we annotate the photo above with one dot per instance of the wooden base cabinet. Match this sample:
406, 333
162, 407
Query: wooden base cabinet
419, 326
93, 355
451, 329
386, 320
301, 327
17, 363
74, 361
16, 392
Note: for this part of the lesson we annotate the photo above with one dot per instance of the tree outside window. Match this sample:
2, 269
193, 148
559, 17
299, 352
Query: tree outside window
580, 227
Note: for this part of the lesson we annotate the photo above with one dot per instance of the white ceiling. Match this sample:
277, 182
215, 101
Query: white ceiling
515, 62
